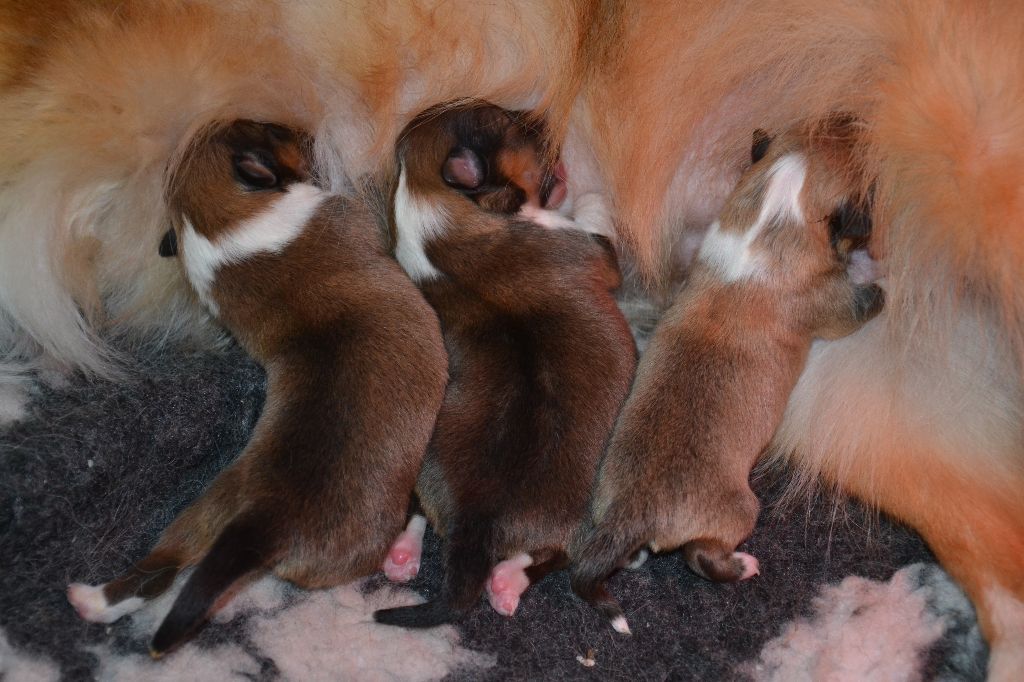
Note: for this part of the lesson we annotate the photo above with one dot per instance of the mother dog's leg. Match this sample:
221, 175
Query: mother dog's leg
942, 451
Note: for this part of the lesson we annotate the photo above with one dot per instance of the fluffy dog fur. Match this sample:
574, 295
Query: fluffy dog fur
921, 413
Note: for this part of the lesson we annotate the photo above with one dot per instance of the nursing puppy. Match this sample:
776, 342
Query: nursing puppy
655, 102
503, 172
711, 389
355, 373
541, 358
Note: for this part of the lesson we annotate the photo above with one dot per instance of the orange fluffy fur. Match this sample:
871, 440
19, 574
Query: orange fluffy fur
921, 413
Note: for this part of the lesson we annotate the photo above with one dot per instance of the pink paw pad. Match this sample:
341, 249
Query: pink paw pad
750, 565
507, 583
402, 563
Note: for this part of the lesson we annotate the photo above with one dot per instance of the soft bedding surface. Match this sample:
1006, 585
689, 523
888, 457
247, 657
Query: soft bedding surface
97, 471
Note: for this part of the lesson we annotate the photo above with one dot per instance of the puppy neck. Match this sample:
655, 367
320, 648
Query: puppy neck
730, 249
418, 220
268, 232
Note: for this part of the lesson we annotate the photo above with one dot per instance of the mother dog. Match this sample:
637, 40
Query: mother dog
920, 413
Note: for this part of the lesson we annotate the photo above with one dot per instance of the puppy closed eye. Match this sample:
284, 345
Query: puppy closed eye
255, 170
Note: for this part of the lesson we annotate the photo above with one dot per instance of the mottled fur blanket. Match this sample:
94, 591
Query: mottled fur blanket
91, 479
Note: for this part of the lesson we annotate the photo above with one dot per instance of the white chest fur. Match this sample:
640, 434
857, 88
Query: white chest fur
416, 222
269, 232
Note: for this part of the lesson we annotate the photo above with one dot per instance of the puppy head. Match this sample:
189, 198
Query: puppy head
238, 190
231, 172
496, 158
794, 222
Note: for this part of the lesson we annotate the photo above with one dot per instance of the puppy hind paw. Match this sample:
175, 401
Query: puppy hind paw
91, 604
507, 583
402, 563
620, 625
401, 566
749, 563
717, 561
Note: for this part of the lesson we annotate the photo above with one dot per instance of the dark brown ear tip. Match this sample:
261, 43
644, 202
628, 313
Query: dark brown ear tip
279, 132
168, 244
759, 145
281, 135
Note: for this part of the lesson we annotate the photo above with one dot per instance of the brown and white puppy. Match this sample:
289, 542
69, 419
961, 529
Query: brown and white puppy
658, 100
772, 275
355, 366
503, 169
541, 358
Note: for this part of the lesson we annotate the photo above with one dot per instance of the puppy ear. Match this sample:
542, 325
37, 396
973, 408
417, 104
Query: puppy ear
464, 169
168, 245
759, 145
256, 169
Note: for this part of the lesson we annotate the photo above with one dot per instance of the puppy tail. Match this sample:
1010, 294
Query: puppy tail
604, 550
426, 615
468, 562
244, 546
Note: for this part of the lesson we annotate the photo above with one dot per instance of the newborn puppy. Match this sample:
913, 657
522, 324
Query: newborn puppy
774, 272
356, 370
503, 170
541, 358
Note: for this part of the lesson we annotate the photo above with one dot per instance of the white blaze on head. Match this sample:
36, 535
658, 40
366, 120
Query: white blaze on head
730, 254
416, 222
268, 232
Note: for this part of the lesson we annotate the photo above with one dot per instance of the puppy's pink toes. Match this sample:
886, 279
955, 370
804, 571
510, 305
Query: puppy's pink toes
620, 625
91, 604
507, 583
505, 604
402, 563
751, 567
401, 567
